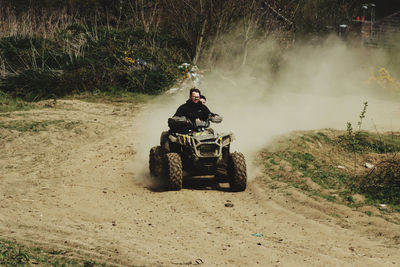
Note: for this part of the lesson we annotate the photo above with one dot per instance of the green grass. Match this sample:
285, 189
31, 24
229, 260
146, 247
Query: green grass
9, 104
14, 254
37, 126
112, 97
308, 165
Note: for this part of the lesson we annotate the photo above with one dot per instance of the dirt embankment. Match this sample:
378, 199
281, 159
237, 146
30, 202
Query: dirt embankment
66, 183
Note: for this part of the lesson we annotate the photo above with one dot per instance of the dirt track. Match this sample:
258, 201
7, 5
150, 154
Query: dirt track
70, 188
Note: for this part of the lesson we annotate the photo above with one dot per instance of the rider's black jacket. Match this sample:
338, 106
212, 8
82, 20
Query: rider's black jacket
192, 111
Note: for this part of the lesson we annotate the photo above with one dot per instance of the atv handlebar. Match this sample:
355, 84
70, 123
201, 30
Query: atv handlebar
182, 124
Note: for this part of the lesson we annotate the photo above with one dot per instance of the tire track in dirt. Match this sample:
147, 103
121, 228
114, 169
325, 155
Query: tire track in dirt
77, 194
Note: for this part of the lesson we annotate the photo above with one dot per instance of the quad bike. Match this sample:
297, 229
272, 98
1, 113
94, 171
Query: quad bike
194, 149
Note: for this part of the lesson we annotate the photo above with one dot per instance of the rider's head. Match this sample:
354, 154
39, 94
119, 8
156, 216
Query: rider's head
194, 95
203, 99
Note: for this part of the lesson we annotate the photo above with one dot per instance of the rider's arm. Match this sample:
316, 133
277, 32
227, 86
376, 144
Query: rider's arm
180, 112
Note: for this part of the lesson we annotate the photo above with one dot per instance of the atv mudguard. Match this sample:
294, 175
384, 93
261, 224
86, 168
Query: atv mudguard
178, 124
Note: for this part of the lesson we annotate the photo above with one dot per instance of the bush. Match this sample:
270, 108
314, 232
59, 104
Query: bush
26, 52
33, 85
148, 80
82, 58
383, 182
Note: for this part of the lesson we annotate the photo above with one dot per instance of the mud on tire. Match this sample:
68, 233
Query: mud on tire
174, 173
156, 162
237, 172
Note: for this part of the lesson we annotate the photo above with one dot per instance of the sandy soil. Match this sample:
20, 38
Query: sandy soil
70, 188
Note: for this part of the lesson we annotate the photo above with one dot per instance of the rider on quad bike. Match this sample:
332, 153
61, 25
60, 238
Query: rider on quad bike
191, 146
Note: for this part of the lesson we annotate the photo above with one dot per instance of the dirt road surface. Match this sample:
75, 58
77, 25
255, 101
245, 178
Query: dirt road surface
69, 187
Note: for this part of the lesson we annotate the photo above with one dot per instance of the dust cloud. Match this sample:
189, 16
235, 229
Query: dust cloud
314, 87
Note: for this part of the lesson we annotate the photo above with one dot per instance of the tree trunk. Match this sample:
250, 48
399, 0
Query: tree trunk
200, 42
214, 42
246, 41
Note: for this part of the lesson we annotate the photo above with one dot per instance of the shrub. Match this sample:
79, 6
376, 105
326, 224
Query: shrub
382, 182
82, 58
27, 52
33, 85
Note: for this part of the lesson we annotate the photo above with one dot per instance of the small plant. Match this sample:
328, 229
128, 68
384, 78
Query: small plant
349, 129
362, 115
353, 139
349, 199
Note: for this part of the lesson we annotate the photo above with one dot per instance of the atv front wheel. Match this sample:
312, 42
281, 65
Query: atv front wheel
237, 172
156, 162
174, 171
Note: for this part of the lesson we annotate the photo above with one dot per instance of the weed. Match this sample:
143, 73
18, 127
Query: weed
363, 142
369, 213
349, 129
362, 115
274, 162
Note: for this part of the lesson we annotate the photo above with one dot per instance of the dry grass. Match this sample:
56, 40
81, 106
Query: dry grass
30, 23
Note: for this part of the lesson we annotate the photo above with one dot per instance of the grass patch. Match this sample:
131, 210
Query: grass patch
13, 254
37, 126
9, 104
322, 164
113, 97
316, 137
308, 165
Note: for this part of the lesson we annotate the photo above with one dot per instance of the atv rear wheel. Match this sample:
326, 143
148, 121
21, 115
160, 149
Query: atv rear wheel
174, 173
237, 172
156, 162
